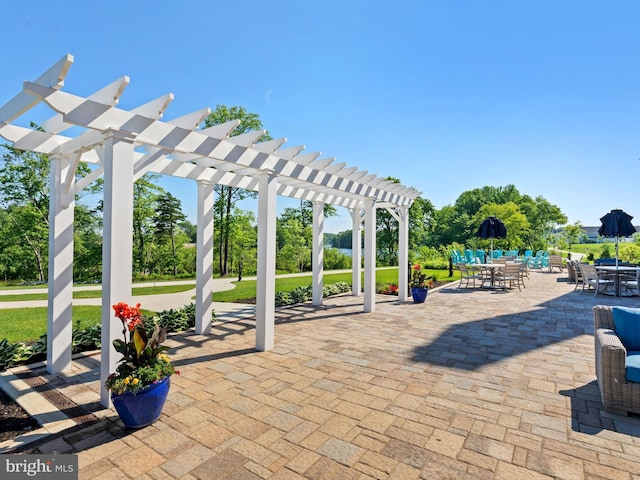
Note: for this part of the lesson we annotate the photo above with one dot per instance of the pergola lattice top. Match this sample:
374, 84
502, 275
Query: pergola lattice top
177, 148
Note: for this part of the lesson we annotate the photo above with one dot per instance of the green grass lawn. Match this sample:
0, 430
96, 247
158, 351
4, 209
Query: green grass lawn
156, 290
596, 248
246, 289
28, 324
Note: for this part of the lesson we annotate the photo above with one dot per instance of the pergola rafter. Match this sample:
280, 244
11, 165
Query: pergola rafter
123, 145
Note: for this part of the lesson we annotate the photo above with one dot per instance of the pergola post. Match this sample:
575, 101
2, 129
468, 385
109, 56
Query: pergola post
403, 253
60, 298
370, 256
204, 258
266, 284
356, 252
317, 263
117, 249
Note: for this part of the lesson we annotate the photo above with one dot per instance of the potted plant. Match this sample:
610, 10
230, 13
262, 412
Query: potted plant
140, 384
419, 283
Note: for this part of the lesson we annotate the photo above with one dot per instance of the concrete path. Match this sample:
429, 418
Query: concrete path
157, 303
472, 384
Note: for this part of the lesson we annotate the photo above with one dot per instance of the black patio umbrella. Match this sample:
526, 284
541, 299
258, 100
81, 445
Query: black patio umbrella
492, 227
616, 224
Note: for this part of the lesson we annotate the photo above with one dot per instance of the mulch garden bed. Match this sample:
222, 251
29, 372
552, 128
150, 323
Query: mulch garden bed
14, 421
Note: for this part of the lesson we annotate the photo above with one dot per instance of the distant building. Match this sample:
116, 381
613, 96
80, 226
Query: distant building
592, 234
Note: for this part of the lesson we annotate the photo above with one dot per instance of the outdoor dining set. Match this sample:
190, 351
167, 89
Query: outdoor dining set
499, 273
605, 277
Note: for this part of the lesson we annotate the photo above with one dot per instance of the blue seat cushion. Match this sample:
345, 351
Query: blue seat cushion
627, 323
632, 364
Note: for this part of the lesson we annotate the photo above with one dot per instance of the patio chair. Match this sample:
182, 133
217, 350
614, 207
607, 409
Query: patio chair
525, 262
510, 274
466, 276
536, 262
629, 284
555, 261
617, 359
577, 276
545, 259
469, 256
591, 279
523, 272
456, 257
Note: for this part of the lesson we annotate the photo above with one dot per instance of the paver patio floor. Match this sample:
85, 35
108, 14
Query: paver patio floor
472, 384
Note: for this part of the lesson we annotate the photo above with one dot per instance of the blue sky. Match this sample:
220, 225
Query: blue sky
446, 96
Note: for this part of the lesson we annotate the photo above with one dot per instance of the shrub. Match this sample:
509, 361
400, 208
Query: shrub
89, 338
13, 353
606, 251
304, 294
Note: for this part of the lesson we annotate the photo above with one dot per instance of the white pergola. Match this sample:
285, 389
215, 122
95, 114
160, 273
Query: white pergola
124, 145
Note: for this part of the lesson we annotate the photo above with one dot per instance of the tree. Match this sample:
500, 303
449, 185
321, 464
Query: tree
227, 196
342, 239
24, 196
515, 221
87, 244
294, 254
543, 217
421, 222
572, 233
243, 241
302, 218
145, 195
168, 216
387, 234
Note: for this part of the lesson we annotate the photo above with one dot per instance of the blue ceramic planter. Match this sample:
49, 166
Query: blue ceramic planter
143, 408
419, 295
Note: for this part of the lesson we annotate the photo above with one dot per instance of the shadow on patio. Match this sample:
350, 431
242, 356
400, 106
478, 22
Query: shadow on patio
473, 344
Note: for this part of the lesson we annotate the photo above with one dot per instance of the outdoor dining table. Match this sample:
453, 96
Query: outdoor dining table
617, 271
493, 267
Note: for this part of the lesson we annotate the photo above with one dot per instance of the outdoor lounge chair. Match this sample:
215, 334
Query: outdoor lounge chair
555, 261
615, 364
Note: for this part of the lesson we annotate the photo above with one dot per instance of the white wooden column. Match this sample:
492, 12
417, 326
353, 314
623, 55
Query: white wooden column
317, 263
356, 252
370, 255
403, 254
117, 249
204, 258
60, 298
266, 284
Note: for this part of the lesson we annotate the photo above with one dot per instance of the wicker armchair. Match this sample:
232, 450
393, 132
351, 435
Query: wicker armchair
618, 395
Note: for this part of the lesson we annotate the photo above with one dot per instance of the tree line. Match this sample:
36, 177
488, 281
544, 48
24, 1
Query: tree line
164, 240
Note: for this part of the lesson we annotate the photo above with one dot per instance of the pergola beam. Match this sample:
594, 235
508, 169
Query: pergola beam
52, 78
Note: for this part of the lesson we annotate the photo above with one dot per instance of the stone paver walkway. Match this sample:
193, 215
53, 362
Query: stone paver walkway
472, 384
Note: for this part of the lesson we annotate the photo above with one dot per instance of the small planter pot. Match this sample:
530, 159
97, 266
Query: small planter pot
143, 408
419, 295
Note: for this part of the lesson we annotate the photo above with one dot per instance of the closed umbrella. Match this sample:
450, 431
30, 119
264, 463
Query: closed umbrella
616, 223
492, 227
